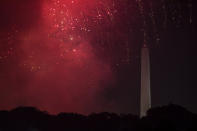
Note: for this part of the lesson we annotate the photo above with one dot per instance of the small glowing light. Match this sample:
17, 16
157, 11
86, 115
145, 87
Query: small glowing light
74, 50
71, 38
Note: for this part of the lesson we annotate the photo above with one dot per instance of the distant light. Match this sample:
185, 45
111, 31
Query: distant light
71, 38
74, 50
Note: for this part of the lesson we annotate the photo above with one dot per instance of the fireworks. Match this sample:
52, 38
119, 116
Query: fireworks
101, 23
74, 48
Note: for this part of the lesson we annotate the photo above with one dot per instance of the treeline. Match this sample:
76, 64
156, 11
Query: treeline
166, 118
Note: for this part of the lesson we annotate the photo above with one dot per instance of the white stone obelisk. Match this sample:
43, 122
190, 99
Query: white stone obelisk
145, 100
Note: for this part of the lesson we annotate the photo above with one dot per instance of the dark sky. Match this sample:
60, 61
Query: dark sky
84, 56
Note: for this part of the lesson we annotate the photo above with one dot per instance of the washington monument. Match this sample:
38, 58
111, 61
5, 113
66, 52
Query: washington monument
145, 100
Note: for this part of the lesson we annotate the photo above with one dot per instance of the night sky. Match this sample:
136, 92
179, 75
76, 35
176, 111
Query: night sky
84, 55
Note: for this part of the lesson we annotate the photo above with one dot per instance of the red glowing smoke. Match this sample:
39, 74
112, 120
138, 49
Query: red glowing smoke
55, 68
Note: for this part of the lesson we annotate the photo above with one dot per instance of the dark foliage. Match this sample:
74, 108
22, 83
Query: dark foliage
166, 118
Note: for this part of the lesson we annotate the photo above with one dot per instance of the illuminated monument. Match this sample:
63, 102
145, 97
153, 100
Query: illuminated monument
145, 100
